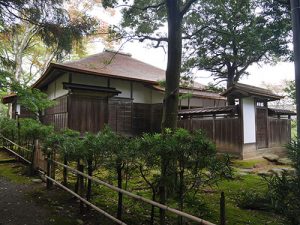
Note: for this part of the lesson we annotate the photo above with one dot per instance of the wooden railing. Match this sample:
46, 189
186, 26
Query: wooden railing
50, 179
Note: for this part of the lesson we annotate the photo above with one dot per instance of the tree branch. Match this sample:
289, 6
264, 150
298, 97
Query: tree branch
186, 7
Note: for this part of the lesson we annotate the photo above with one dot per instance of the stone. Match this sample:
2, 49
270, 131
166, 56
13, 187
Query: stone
277, 171
246, 170
284, 161
240, 174
79, 221
59, 208
290, 171
271, 157
37, 180
264, 173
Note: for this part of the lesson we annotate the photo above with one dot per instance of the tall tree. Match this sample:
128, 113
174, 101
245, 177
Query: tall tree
237, 35
295, 9
25, 22
146, 20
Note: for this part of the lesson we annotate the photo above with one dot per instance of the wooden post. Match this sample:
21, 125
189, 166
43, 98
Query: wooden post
65, 172
81, 188
53, 166
222, 209
32, 166
49, 162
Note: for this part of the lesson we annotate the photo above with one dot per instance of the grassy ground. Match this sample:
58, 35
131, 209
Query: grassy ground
205, 204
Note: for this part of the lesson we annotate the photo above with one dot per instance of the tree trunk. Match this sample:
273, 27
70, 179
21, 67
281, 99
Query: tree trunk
170, 107
120, 195
295, 9
180, 195
89, 185
230, 83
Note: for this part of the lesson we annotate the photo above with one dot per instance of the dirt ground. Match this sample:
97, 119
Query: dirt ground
26, 201
16, 208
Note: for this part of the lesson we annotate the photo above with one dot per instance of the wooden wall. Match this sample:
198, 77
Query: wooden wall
87, 113
57, 115
279, 132
120, 115
226, 133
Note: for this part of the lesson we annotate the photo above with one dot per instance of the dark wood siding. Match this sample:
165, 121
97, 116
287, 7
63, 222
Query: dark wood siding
156, 117
280, 132
57, 115
120, 115
141, 118
261, 127
87, 113
225, 132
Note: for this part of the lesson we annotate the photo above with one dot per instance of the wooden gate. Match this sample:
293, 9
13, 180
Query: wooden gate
262, 127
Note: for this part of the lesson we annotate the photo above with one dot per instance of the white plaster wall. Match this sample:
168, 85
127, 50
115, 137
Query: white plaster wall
141, 94
157, 97
89, 80
59, 91
121, 85
194, 102
248, 109
55, 88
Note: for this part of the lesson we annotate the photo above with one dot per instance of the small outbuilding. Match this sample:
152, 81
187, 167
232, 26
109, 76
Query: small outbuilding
247, 129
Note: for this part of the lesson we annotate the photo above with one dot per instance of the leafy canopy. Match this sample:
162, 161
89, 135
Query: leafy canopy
235, 35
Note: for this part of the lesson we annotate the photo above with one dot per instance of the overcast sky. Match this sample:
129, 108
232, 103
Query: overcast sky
273, 74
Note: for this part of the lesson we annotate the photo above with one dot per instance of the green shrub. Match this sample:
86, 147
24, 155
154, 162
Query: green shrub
31, 130
8, 128
253, 200
284, 189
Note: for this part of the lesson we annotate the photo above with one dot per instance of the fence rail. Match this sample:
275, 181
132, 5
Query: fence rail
137, 197
167, 208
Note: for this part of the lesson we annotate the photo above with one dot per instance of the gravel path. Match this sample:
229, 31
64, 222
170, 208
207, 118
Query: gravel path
16, 208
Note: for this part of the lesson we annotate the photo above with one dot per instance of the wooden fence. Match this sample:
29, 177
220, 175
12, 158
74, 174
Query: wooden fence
225, 132
50, 179
279, 132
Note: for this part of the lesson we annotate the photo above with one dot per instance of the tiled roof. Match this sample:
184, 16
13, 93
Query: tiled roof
244, 90
195, 92
281, 111
9, 98
109, 64
209, 110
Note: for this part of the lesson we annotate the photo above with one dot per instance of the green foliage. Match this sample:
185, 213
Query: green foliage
8, 128
291, 90
32, 99
32, 130
234, 35
284, 189
56, 25
92, 149
66, 142
215, 88
253, 200
191, 157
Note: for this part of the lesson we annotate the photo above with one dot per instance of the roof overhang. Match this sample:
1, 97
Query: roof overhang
209, 111
54, 70
91, 88
273, 111
9, 98
242, 90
